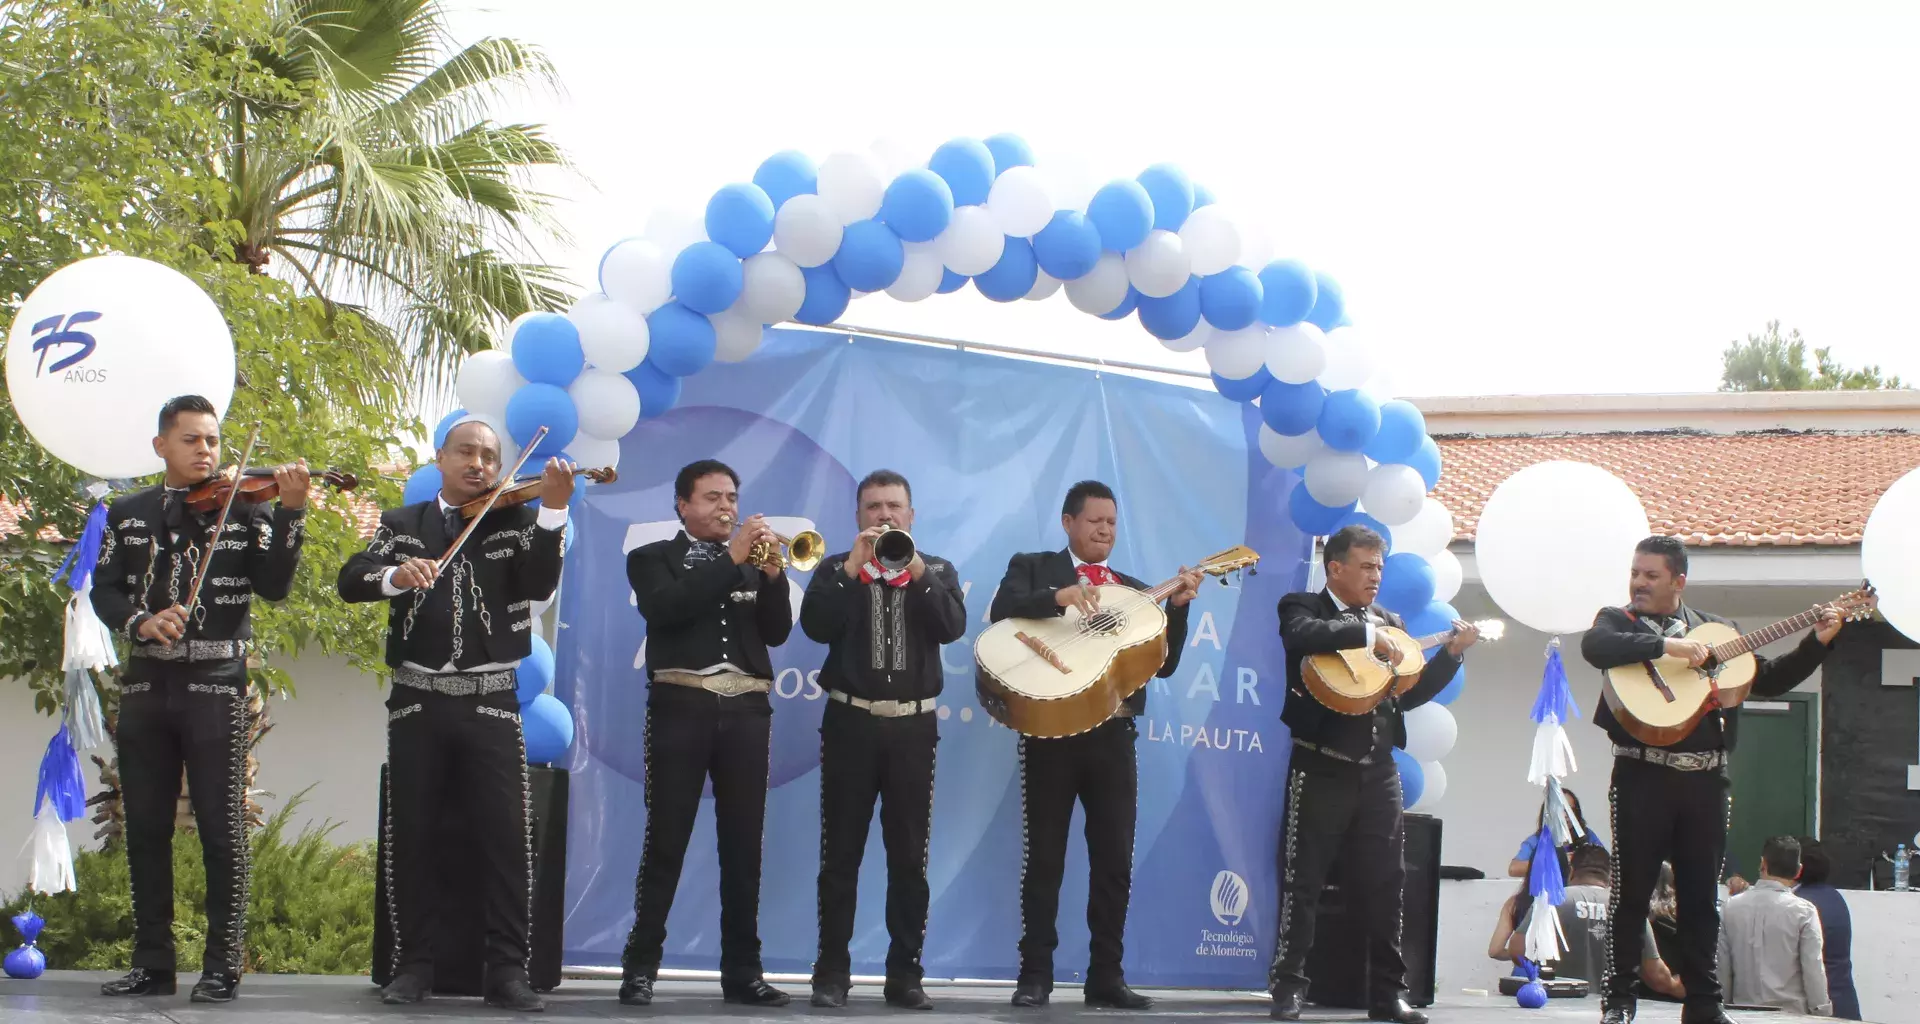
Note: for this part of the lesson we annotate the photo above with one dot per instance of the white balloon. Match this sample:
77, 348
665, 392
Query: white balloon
773, 288
637, 273
612, 336
1336, 478
1102, 289
1020, 202
1447, 575
1044, 285
486, 380
1434, 789
806, 231
593, 453
852, 186
1158, 267
1070, 182
1586, 517
673, 230
736, 335
1256, 246
1349, 359
1236, 355
1289, 452
120, 336
1394, 494
1200, 337
1211, 239
972, 242
608, 404
920, 274
1428, 533
1431, 732
1890, 553
1296, 354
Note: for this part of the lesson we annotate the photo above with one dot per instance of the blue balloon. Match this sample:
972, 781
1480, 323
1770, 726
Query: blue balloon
1349, 420
1413, 780
1402, 428
1287, 292
785, 175
967, 166
1174, 316
1246, 389
1426, 462
950, 282
1012, 278
1310, 516
542, 405
1068, 246
827, 296
740, 217
917, 206
1126, 307
546, 349
1329, 304
1531, 996
1406, 586
1009, 150
1122, 213
535, 671
1451, 692
659, 390
682, 341
1292, 409
1230, 299
1436, 617
1172, 194
706, 277
446, 424
1202, 196
870, 256
24, 962
1359, 518
422, 485
547, 726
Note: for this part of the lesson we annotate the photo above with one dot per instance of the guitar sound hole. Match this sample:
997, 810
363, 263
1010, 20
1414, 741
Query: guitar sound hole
1104, 623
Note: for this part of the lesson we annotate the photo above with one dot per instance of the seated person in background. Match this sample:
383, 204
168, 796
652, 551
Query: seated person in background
1770, 940
1583, 919
1523, 861
1663, 916
1836, 926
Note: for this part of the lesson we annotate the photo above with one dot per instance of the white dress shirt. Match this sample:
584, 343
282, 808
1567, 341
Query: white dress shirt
1366, 615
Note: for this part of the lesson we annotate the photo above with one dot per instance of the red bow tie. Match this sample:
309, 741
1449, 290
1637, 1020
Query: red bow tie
1098, 575
872, 572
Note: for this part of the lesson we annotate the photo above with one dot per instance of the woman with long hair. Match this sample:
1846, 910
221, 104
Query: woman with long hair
1523, 860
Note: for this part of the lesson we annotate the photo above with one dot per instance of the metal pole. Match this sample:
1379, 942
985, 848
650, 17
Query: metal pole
1013, 351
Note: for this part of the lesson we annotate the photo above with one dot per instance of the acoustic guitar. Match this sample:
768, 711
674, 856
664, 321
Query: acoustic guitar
1659, 702
1065, 675
1355, 681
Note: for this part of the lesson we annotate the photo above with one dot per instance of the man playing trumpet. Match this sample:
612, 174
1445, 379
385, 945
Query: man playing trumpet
712, 610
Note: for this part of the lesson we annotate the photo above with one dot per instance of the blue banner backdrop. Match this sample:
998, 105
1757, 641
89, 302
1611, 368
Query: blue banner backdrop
990, 444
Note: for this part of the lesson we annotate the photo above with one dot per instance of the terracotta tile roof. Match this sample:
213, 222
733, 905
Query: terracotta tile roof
1771, 488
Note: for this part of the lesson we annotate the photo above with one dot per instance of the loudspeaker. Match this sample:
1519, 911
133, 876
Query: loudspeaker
459, 942
1339, 961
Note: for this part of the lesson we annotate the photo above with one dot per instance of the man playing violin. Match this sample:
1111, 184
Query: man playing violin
184, 692
712, 610
454, 636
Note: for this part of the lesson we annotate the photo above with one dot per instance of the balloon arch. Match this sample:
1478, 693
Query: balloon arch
800, 241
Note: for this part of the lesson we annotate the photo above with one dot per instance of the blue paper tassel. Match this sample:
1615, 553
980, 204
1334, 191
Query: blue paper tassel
1556, 695
85, 554
60, 780
1543, 878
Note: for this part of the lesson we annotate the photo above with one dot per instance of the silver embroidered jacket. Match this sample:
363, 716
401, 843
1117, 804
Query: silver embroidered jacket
883, 642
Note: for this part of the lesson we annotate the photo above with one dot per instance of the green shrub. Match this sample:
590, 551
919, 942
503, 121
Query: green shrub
310, 909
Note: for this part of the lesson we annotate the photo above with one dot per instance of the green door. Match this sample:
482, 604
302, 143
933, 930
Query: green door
1774, 776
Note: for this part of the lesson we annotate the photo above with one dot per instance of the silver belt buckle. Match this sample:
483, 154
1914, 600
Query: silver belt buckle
732, 687
885, 708
1690, 762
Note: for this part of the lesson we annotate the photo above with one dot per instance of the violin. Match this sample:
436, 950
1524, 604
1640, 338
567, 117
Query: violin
256, 485
526, 489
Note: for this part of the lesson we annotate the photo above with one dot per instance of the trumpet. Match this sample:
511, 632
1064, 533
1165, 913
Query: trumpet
893, 549
801, 551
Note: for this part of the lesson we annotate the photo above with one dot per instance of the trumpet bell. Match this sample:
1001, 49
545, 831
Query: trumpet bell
804, 550
893, 549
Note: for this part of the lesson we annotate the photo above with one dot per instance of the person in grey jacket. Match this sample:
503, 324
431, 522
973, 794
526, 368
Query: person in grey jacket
1770, 940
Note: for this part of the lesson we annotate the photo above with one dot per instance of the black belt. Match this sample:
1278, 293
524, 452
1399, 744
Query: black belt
1679, 761
456, 684
1330, 752
194, 650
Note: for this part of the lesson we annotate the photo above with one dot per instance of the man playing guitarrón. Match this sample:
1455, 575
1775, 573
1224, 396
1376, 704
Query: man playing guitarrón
1343, 790
1671, 803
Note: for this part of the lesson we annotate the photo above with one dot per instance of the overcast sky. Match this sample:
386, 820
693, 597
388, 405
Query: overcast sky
1517, 198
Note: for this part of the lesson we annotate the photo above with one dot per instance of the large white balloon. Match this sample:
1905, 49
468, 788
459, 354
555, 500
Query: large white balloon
806, 231
1890, 553
1336, 478
673, 230
1200, 337
920, 274
1428, 533
607, 402
736, 335
1044, 285
612, 335
1447, 575
1555, 543
773, 288
1431, 732
593, 453
1211, 239
1158, 267
1019, 201
637, 273
100, 346
1349, 360
851, 185
972, 242
1102, 289
1434, 788
1295, 354
1289, 452
1236, 355
486, 380
1395, 494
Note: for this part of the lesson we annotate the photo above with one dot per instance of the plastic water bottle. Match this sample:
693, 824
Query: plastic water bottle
1900, 868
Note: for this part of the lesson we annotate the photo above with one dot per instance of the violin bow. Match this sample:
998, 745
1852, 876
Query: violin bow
220, 524
525, 454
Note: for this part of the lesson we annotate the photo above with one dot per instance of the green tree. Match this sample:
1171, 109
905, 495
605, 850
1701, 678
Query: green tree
1769, 362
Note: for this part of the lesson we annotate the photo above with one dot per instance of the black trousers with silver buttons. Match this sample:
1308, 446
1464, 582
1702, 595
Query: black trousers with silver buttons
1662, 814
1098, 768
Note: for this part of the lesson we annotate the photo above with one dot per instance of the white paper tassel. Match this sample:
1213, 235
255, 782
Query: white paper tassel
1545, 940
1552, 752
89, 648
52, 869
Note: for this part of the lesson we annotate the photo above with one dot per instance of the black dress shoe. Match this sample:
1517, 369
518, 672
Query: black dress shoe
142, 981
406, 988
515, 994
908, 997
754, 993
829, 995
1030, 993
1397, 1011
636, 990
1287, 1005
1618, 1014
216, 988
1116, 996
